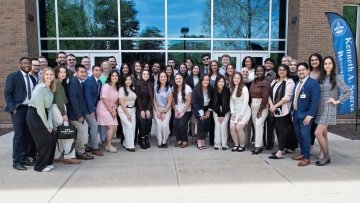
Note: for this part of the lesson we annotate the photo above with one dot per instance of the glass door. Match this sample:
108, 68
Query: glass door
237, 58
97, 58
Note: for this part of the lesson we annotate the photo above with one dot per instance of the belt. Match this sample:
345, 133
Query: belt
130, 107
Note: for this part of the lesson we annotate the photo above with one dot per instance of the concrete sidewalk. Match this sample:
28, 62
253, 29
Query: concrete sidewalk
187, 175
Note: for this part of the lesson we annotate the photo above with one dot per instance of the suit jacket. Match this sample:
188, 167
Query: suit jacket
15, 90
202, 71
190, 81
92, 95
197, 99
308, 106
76, 106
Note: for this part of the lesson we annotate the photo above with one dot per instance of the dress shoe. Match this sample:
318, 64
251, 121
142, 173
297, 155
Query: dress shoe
72, 161
304, 162
216, 148
88, 149
147, 142
275, 157
257, 150
164, 146
298, 157
178, 144
28, 162
323, 163
84, 156
131, 149
184, 145
19, 166
143, 143
97, 152
224, 148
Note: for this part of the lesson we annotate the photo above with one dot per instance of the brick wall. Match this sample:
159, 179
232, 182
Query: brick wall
17, 36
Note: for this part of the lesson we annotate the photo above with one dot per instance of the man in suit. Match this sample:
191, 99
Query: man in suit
92, 87
305, 103
205, 69
77, 110
17, 93
225, 60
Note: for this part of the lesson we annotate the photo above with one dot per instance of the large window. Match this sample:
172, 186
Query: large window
159, 29
352, 16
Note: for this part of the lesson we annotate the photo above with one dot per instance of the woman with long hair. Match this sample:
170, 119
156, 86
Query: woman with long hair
240, 112
182, 110
330, 84
259, 93
293, 70
201, 108
250, 64
105, 66
136, 71
280, 100
124, 70
145, 96
40, 122
229, 74
126, 112
60, 117
192, 80
106, 108
183, 70
170, 74
162, 109
221, 108
214, 72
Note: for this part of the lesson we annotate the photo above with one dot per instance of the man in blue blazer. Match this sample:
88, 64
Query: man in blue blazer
17, 93
305, 103
77, 110
92, 87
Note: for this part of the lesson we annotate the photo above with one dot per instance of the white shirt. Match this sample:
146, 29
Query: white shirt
180, 105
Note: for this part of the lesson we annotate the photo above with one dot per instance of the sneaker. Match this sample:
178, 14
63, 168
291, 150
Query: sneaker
111, 149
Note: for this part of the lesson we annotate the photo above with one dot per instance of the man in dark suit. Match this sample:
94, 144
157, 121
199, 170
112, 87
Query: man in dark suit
17, 92
92, 87
77, 110
305, 103
205, 69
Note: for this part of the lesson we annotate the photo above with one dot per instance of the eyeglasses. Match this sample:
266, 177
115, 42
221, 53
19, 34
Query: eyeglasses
205, 59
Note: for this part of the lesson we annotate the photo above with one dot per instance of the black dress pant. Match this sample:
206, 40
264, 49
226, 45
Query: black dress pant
282, 129
181, 127
44, 140
268, 137
211, 129
145, 126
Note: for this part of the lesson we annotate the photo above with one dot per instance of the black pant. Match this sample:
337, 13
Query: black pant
313, 128
145, 126
268, 137
23, 143
181, 127
211, 129
44, 140
203, 128
282, 129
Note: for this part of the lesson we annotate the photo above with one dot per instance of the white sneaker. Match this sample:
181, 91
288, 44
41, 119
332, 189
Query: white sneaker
111, 149
48, 168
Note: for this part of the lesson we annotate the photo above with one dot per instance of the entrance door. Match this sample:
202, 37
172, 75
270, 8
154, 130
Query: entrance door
237, 58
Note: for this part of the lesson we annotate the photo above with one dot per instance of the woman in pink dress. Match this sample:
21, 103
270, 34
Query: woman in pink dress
106, 108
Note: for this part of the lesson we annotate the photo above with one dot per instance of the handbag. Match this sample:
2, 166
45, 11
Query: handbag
66, 132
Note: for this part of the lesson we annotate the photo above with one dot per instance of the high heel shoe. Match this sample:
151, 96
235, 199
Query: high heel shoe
257, 150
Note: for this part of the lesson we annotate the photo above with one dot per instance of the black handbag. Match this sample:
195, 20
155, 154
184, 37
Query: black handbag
66, 132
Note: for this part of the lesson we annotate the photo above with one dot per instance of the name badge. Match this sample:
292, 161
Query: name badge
303, 96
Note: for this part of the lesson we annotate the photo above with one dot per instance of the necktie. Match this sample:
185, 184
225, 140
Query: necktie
297, 94
28, 86
98, 86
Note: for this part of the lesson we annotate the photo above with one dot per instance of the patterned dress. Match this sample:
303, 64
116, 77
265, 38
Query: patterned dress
326, 113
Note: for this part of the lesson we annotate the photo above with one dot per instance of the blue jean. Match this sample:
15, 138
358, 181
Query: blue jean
303, 134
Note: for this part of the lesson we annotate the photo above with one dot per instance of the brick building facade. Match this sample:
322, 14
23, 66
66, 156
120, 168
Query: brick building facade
308, 32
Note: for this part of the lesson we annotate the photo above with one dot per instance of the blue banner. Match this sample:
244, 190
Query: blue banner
346, 58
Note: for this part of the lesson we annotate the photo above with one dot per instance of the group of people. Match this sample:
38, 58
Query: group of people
295, 101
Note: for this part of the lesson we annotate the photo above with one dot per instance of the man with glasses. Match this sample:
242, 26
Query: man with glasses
43, 64
61, 58
71, 62
205, 69
35, 69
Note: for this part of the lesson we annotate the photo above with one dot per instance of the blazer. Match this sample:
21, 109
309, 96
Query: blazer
190, 81
307, 105
225, 100
202, 71
197, 99
15, 90
92, 94
76, 106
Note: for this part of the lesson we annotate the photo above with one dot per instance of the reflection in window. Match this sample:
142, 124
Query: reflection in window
137, 17
350, 13
89, 44
180, 57
278, 19
47, 20
147, 57
191, 14
48, 45
278, 46
241, 18
241, 45
189, 45
142, 44
78, 18
51, 57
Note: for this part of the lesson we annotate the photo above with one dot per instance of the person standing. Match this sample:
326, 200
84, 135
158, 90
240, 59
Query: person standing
305, 103
92, 87
330, 84
205, 69
221, 108
259, 93
162, 109
281, 92
39, 120
77, 110
225, 61
17, 93
127, 112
